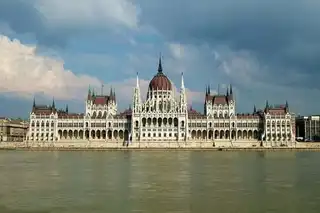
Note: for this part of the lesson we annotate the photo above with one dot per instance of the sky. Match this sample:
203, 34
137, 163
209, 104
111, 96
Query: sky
268, 50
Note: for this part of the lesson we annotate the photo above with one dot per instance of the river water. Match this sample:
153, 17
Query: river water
159, 181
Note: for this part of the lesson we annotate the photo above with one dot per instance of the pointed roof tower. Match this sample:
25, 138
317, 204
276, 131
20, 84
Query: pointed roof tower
254, 109
67, 109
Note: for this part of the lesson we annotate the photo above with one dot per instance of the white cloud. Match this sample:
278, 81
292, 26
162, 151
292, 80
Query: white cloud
93, 12
177, 50
241, 66
24, 73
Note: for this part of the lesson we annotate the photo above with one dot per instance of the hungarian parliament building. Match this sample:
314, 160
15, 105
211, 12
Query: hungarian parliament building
163, 120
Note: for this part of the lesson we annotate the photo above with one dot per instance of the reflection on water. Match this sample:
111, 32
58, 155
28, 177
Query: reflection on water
67, 182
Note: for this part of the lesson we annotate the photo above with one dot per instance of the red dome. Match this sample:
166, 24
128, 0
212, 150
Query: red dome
160, 82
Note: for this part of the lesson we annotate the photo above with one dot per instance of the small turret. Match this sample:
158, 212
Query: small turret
53, 104
267, 106
111, 93
67, 109
89, 93
34, 102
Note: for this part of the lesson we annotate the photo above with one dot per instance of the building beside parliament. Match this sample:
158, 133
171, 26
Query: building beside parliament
13, 130
308, 127
163, 120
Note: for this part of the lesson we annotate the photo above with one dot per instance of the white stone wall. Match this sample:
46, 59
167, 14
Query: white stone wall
278, 130
93, 110
219, 110
42, 127
224, 129
161, 117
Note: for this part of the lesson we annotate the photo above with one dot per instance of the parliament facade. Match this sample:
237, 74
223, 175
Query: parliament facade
162, 120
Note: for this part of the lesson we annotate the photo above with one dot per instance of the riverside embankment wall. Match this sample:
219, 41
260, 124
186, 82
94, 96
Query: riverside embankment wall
85, 145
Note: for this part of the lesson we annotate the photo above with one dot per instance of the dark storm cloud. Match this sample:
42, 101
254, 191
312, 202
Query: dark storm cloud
24, 18
283, 34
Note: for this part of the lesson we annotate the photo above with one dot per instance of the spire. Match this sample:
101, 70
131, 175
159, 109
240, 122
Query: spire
89, 93
227, 91
34, 102
182, 81
67, 110
137, 80
231, 90
114, 95
254, 109
111, 93
209, 89
267, 104
53, 104
160, 65
102, 89
93, 93
287, 107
